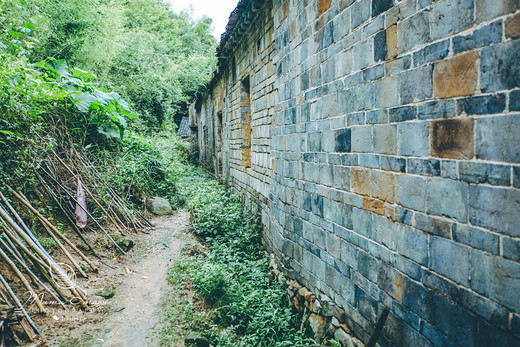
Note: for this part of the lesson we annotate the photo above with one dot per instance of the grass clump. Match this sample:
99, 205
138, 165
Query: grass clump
245, 307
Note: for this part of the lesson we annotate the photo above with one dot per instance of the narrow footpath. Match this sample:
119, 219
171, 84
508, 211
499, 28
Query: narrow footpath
141, 294
132, 316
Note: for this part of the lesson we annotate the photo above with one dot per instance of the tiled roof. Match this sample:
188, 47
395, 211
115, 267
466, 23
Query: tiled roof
184, 129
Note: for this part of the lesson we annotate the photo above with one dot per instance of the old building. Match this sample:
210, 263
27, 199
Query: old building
381, 140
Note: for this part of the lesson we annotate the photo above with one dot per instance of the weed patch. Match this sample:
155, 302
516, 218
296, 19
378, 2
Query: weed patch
246, 308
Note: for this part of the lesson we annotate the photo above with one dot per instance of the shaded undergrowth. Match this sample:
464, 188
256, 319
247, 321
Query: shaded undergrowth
236, 302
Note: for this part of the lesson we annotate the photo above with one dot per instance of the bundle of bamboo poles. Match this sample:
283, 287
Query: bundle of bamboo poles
59, 174
26, 259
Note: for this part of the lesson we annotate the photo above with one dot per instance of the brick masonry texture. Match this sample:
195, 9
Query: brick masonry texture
384, 157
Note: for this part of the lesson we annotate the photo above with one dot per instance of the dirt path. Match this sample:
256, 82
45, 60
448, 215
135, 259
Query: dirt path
140, 281
141, 294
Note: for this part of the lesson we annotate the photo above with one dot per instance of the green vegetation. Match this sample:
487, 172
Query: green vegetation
83, 74
154, 58
246, 306
108, 79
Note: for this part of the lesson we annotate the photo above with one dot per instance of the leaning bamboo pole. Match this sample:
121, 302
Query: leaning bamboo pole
52, 265
67, 215
89, 193
88, 214
52, 227
31, 330
30, 272
22, 278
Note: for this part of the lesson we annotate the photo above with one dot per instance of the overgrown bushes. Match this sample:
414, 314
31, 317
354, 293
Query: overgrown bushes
248, 308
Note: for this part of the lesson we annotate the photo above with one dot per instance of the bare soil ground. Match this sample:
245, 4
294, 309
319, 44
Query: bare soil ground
140, 280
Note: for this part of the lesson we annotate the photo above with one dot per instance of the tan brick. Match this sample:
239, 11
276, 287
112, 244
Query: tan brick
360, 181
373, 205
456, 76
382, 185
452, 138
391, 42
323, 5
513, 26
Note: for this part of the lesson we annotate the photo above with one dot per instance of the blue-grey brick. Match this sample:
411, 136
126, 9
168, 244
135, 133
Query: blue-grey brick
398, 65
349, 254
380, 46
516, 176
433, 225
511, 248
387, 93
514, 100
430, 167
290, 116
349, 159
488, 334
485, 36
361, 138
495, 208
357, 98
392, 163
412, 192
429, 331
374, 73
504, 75
457, 323
483, 307
447, 198
496, 278
327, 37
450, 259
356, 118
360, 11
380, 6
361, 222
385, 138
403, 215
314, 141
413, 138
341, 177
476, 237
485, 173
328, 70
416, 85
305, 112
497, 139
412, 244
341, 214
316, 110
413, 31
401, 114
308, 157
424, 3
342, 140
377, 117
353, 79
419, 299
482, 104
449, 169
435, 51
369, 160
450, 17
317, 204
443, 108
486, 10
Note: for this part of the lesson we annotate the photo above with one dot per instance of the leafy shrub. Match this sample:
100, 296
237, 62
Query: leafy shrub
233, 277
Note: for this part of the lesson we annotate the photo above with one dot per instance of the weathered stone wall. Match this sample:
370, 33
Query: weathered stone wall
385, 146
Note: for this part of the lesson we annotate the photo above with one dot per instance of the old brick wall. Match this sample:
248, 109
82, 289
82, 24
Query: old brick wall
385, 146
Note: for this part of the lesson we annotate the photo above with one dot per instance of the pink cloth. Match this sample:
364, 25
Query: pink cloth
80, 215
